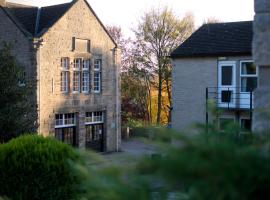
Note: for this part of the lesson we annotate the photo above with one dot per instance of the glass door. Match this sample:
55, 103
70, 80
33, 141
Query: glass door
226, 84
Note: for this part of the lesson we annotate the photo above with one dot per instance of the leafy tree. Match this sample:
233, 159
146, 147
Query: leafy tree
159, 32
16, 112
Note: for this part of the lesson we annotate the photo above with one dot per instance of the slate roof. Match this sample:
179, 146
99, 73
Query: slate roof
220, 39
35, 20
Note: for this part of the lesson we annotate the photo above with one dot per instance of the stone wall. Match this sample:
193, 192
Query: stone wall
261, 53
78, 22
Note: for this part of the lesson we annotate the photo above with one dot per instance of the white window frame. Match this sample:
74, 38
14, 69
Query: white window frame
79, 81
85, 71
64, 125
92, 121
65, 63
85, 82
77, 66
248, 75
231, 87
64, 83
98, 65
99, 82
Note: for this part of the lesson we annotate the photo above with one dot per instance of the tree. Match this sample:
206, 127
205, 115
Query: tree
211, 20
16, 112
159, 32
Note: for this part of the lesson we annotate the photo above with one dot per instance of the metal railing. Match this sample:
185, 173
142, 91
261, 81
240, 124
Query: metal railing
229, 98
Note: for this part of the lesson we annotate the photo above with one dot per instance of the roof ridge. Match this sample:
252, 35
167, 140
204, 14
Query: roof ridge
37, 21
61, 4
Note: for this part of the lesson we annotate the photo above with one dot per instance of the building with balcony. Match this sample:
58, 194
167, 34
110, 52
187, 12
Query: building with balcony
214, 67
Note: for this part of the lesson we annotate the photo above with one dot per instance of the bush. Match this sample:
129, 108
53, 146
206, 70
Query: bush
33, 167
213, 166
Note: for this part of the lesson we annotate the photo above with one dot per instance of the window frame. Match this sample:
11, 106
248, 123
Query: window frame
93, 118
79, 82
99, 65
64, 117
99, 82
85, 70
247, 75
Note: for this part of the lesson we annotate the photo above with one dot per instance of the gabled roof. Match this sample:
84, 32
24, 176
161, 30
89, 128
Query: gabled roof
36, 21
219, 39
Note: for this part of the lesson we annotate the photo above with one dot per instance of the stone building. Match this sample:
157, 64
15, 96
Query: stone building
261, 54
214, 65
73, 63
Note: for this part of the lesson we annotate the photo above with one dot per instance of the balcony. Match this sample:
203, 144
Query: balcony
231, 98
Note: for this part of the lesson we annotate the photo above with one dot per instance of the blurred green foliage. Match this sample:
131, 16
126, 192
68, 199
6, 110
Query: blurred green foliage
33, 167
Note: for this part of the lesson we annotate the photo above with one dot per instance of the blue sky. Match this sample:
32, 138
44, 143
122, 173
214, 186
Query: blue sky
126, 13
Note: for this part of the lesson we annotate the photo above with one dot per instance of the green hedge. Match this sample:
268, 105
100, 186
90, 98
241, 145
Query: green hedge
33, 167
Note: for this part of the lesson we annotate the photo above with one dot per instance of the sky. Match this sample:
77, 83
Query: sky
126, 13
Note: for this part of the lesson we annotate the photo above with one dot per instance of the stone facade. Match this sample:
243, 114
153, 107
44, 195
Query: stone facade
191, 77
261, 53
44, 60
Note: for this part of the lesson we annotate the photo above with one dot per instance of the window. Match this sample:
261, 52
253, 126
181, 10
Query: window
22, 77
65, 128
64, 81
248, 76
94, 117
64, 75
97, 77
76, 81
64, 120
246, 124
85, 76
65, 63
97, 65
77, 64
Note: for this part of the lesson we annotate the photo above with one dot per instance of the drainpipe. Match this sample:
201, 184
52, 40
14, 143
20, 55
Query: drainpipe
115, 59
37, 44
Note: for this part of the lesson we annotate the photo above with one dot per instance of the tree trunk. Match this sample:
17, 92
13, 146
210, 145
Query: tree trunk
169, 99
159, 94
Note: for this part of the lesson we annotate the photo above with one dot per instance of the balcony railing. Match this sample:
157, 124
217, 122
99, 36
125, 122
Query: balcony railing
230, 97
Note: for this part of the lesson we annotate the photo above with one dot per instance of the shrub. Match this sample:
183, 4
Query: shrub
213, 166
33, 167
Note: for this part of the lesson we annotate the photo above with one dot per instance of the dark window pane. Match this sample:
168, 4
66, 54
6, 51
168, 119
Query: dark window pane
248, 84
246, 124
248, 68
226, 75
226, 96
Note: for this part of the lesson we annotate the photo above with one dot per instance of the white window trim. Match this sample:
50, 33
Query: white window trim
66, 125
247, 75
96, 122
79, 82
99, 88
81, 63
67, 82
66, 68
100, 64
88, 90
231, 87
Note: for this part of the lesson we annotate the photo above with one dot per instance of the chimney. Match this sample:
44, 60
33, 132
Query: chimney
3, 3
